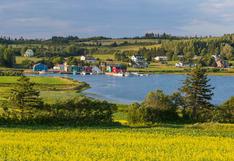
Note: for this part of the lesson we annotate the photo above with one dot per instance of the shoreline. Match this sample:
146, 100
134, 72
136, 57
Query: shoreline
185, 73
162, 73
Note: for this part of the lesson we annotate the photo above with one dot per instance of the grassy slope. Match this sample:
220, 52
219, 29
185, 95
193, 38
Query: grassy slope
38, 80
52, 89
168, 142
20, 59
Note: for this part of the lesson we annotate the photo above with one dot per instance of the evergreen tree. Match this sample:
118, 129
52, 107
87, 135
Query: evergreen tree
24, 95
198, 91
7, 57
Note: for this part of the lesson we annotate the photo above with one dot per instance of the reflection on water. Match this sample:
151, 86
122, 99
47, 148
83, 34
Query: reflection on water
134, 89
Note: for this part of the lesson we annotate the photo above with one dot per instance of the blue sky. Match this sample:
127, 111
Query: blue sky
115, 18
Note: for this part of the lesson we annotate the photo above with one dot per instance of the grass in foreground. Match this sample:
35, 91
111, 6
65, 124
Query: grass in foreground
158, 143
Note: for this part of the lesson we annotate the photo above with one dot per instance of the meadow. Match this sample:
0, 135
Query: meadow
51, 89
20, 59
162, 142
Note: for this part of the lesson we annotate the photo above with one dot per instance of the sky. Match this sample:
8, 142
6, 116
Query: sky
115, 18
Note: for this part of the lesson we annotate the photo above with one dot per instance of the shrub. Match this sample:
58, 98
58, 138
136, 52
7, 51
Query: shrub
135, 114
11, 73
77, 111
157, 107
225, 112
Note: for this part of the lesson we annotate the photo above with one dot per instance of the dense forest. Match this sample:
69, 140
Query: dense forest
196, 46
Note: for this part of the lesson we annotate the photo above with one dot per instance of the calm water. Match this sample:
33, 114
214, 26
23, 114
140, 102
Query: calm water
134, 89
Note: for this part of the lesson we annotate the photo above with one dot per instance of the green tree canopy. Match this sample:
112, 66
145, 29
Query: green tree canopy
24, 95
197, 91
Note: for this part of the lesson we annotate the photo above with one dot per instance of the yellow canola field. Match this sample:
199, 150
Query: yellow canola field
115, 144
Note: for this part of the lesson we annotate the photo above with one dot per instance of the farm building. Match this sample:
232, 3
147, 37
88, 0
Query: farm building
161, 58
179, 64
137, 58
138, 61
40, 67
29, 53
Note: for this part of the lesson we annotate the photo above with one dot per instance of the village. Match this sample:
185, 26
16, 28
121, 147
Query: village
93, 66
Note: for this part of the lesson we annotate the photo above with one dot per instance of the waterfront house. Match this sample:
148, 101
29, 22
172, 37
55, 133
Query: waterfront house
88, 69
88, 59
75, 68
59, 67
117, 68
29, 53
40, 67
96, 70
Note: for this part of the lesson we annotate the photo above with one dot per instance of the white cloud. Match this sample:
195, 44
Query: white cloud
217, 5
217, 9
215, 17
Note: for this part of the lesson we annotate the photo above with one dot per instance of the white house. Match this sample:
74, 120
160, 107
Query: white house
139, 61
29, 53
137, 58
161, 58
88, 59
179, 64
59, 67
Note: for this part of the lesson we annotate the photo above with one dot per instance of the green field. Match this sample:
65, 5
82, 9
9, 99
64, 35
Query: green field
158, 67
135, 47
52, 88
38, 80
104, 56
163, 142
20, 59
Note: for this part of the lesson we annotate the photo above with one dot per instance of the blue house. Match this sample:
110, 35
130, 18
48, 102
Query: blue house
40, 67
